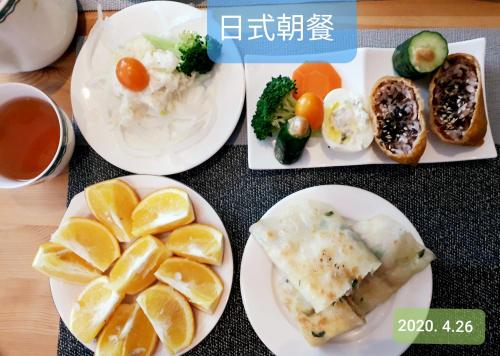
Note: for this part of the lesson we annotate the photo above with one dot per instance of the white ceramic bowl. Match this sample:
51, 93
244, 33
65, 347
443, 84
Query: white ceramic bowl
34, 33
9, 91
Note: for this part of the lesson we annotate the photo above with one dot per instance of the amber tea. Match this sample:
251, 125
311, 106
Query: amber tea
29, 137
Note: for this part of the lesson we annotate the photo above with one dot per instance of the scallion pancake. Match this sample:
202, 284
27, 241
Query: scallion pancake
317, 328
401, 255
322, 257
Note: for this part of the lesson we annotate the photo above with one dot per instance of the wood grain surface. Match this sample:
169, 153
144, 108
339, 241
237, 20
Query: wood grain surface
28, 319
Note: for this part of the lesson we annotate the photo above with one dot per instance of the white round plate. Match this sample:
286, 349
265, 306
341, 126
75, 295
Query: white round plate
271, 322
98, 54
65, 294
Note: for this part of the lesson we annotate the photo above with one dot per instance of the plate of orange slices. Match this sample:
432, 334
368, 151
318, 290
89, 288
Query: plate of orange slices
139, 265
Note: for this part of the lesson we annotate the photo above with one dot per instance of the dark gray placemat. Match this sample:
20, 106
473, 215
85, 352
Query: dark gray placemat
454, 206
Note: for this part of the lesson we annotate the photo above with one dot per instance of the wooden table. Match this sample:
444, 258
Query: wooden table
28, 319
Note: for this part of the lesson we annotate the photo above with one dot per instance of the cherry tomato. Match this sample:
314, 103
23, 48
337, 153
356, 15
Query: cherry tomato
310, 106
132, 74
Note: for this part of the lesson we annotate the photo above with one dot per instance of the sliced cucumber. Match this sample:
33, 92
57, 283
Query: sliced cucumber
291, 140
420, 54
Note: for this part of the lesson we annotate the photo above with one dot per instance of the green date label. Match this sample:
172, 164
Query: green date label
439, 326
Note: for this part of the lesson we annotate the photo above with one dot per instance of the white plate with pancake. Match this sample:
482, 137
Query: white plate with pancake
65, 294
94, 101
270, 319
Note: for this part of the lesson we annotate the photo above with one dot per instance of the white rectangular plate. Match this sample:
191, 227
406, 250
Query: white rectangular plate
358, 75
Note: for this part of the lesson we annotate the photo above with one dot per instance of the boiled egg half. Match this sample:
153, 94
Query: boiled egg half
346, 125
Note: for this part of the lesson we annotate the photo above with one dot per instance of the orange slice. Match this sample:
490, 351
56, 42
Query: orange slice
94, 306
135, 269
112, 203
162, 211
198, 242
170, 314
58, 262
128, 332
90, 240
197, 282
142, 338
112, 337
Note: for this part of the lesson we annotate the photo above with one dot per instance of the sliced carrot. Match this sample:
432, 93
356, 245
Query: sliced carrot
319, 78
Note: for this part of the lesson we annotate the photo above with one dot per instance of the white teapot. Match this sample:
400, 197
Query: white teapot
34, 33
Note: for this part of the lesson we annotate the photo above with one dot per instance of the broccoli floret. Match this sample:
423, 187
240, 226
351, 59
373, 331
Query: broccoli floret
193, 53
275, 106
191, 49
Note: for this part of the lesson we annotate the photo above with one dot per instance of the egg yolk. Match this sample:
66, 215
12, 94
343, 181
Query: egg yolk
132, 74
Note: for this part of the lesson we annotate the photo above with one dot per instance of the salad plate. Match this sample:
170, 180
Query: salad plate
272, 322
65, 294
359, 76
188, 117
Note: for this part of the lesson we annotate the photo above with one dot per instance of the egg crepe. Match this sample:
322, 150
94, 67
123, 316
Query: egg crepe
317, 328
322, 257
401, 255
